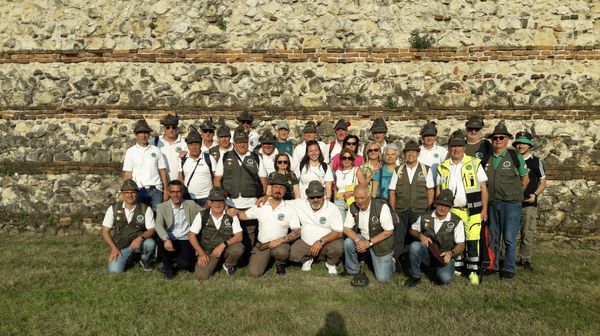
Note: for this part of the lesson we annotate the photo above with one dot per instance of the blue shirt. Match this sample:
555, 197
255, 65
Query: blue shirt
384, 185
285, 147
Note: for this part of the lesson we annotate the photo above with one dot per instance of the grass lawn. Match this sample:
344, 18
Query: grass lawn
59, 286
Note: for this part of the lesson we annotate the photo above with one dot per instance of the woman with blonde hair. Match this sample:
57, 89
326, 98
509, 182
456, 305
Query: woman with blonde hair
372, 164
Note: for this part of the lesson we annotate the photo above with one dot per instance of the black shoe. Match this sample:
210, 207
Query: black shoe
527, 266
360, 280
399, 269
411, 282
229, 270
504, 275
168, 274
520, 263
147, 265
345, 274
280, 270
488, 272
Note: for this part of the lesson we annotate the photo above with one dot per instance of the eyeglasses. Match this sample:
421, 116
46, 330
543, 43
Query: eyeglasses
373, 150
208, 131
349, 158
315, 197
473, 130
351, 143
500, 138
170, 127
282, 162
246, 122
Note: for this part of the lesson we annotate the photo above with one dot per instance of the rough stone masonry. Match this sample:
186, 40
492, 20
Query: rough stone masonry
74, 77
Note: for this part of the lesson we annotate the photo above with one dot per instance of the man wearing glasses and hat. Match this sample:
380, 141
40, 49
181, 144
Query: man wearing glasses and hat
321, 230
431, 153
341, 131
208, 133
536, 185
198, 169
378, 131
145, 164
507, 179
245, 121
476, 146
172, 146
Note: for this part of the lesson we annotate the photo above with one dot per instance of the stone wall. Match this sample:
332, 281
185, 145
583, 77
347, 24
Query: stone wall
75, 75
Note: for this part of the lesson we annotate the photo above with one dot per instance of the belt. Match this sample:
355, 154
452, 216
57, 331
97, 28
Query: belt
462, 208
150, 187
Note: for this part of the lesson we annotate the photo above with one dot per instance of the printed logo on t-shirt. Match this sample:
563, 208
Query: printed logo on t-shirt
280, 217
323, 220
436, 155
178, 149
153, 155
140, 218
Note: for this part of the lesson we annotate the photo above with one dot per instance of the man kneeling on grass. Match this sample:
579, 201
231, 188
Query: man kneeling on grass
441, 236
216, 237
127, 229
370, 230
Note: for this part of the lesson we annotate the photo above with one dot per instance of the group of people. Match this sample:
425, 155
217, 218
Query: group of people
207, 202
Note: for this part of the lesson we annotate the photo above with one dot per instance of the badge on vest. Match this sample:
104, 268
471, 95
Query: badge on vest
249, 162
450, 226
374, 219
140, 218
506, 164
323, 220
227, 222
479, 155
229, 161
280, 217
469, 167
421, 175
427, 223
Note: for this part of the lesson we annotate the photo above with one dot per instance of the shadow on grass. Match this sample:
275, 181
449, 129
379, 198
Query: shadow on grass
334, 325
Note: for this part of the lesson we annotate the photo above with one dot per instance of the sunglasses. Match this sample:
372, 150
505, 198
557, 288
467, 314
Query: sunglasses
208, 131
348, 158
498, 138
374, 150
315, 197
473, 130
246, 122
351, 143
282, 162
170, 127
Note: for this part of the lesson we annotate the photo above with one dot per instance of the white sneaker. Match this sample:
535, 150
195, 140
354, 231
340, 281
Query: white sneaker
332, 269
306, 265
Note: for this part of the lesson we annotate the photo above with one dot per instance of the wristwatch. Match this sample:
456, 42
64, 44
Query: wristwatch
225, 243
370, 242
321, 242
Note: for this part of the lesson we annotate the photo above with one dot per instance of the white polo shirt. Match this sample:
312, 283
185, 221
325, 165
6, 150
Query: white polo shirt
201, 183
455, 182
437, 154
171, 152
312, 173
274, 223
240, 202
459, 230
385, 218
197, 223
108, 221
411, 173
316, 224
144, 164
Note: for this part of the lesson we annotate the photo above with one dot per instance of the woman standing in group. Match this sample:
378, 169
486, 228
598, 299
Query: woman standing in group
345, 180
372, 164
351, 142
282, 163
381, 179
313, 167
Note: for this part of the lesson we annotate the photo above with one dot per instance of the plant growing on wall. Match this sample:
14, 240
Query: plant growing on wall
420, 41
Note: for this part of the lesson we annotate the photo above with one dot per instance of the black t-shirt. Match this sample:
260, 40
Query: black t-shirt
536, 173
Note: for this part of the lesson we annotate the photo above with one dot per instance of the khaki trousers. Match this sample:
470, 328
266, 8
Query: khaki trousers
231, 255
331, 252
528, 226
260, 259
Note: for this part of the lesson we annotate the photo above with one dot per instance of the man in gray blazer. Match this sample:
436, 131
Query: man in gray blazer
173, 220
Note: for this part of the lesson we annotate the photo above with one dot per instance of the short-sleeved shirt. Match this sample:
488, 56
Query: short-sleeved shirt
521, 171
456, 184
435, 155
274, 223
383, 191
429, 183
200, 184
459, 229
312, 173
385, 218
197, 223
144, 164
108, 221
268, 161
316, 224
536, 173
171, 153
300, 151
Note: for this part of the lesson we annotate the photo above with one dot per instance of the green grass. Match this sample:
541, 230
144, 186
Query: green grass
55, 286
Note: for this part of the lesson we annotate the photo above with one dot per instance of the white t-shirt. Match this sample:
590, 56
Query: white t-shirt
240, 202
108, 221
459, 230
205, 148
455, 182
144, 164
274, 223
345, 178
437, 154
316, 224
337, 148
300, 151
201, 183
268, 161
385, 218
197, 223
171, 153
411, 173
311, 173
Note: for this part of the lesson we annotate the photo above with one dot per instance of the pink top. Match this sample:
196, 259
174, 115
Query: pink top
336, 165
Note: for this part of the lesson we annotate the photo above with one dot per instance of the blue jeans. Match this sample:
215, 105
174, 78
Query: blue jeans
341, 205
150, 197
122, 261
384, 266
505, 221
418, 254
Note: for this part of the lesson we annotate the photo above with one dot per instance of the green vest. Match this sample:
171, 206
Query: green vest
444, 238
241, 180
412, 196
210, 237
504, 184
385, 246
215, 153
123, 233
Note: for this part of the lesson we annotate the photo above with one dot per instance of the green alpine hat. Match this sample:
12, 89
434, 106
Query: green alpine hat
141, 126
411, 145
129, 185
170, 120
216, 194
524, 137
379, 126
457, 138
193, 137
445, 198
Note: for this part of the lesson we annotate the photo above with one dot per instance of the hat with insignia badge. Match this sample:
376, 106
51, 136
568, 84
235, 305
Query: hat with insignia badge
411, 145
216, 194
524, 137
315, 189
267, 137
240, 135
129, 185
193, 137
207, 125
